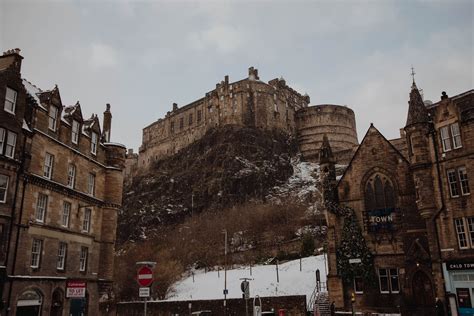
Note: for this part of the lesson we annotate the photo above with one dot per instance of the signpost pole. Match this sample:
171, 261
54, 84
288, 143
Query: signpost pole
145, 306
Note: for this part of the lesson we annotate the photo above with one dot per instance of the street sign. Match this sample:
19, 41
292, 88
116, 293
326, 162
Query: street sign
144, 292
76, 289
145, 276
356, 260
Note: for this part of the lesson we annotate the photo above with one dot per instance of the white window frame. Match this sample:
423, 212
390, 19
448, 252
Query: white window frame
452, 182
470, 229
391, 276
71, 176
48, 165
10, 144
357, 290
36, 248
94, 142
41, 208
463, 181
52, 117
66, 215
3, 133
461, 233
445, 138
91, 184
75, 130
456, 135
380, 280
11, 101
4, 189
84, 254
86, 222
62, 251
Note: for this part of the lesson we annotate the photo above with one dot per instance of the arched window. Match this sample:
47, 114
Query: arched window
380, 202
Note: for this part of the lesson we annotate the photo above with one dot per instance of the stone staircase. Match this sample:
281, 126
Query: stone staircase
319, 301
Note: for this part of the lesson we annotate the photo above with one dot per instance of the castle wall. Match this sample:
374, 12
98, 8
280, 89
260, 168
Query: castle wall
248, 102
335, 121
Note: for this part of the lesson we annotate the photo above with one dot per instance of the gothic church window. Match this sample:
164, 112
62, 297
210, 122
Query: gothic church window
380, 203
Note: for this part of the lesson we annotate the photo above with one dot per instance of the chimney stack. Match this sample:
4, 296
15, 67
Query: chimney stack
107, 124
253, 74
11, 59
175, 106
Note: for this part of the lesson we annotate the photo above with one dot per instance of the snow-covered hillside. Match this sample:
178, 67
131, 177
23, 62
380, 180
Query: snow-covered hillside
210, 285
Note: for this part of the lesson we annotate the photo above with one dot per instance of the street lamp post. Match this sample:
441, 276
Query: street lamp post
225, 271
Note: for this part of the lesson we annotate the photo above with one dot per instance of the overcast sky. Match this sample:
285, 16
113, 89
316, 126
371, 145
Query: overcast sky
141, 56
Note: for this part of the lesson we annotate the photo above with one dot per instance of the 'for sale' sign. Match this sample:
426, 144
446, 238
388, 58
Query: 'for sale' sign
76, 289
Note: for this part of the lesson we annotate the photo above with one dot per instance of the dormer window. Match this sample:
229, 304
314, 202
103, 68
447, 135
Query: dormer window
94, 139
53, 117
10, 100
75, 132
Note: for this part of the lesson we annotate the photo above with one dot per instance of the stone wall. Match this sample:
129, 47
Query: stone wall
293, 306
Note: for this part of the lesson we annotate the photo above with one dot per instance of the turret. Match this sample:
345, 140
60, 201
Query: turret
417, 131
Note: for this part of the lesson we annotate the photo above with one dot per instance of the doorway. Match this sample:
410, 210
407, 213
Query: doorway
29, 303
57, 303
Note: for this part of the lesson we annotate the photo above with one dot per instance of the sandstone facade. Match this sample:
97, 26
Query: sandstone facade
254, 103
65, 210
421, 229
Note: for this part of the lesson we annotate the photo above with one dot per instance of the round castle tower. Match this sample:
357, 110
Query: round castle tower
335, 121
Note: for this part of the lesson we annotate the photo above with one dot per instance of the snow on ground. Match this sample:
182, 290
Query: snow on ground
292, 281
301, 184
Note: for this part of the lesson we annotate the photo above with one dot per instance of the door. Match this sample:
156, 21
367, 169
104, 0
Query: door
57, 303
78, 307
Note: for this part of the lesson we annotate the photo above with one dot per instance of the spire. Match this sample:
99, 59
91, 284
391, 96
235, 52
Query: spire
325, 152
417, 112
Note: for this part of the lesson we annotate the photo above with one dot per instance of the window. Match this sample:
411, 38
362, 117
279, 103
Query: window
380, 203
2, 139
48, 165
10, 144
10, 100
3, 188
199, 116
451, 137
36, 253
86, 223
456, 134
172, 127
66, 214
53, 117
83, 259
394, 284
75, 132
91, 184
71, 175
181, 123
465, 232
463, 181
62, 250
94, 139
458, 182
190, 119
41, 207
383, 281
358, 285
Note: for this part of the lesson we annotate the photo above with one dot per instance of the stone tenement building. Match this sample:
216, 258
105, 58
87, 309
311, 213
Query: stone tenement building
254, 103
412, 202
60, 190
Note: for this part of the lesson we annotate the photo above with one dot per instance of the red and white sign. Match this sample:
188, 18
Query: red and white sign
145, 276
76, 289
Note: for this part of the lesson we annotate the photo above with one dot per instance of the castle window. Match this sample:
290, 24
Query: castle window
10, 100
190, 119
52, 117
465, 232
181, 123
450, 137
199, 116
458, 182
172, 127
75, 132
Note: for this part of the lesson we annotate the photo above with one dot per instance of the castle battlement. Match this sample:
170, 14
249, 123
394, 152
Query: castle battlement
247, 102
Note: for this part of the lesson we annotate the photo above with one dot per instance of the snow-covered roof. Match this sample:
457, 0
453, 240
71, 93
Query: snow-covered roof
33, 90
25, 126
